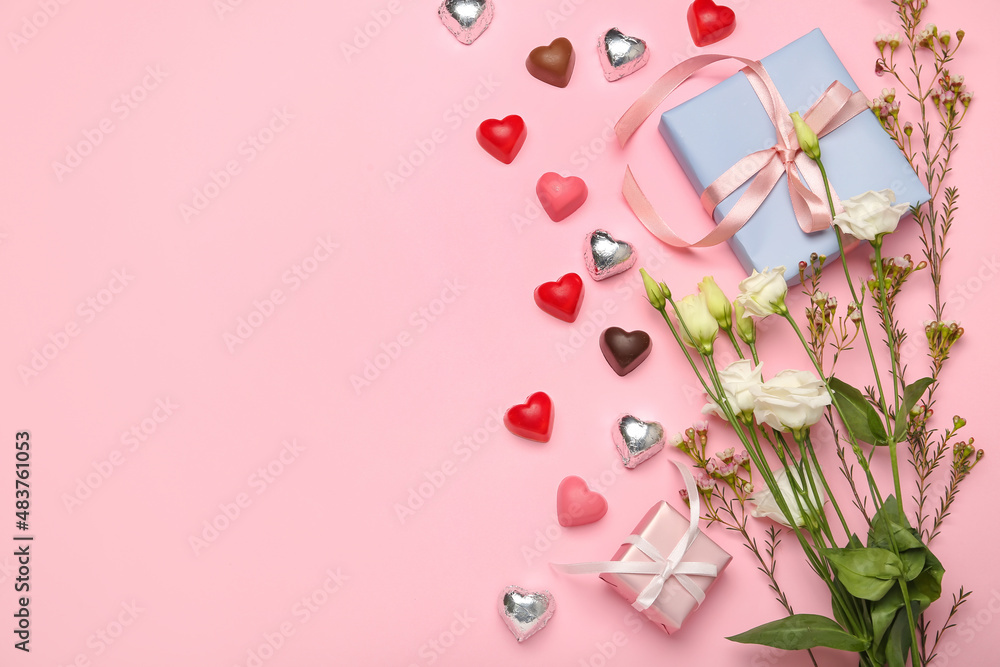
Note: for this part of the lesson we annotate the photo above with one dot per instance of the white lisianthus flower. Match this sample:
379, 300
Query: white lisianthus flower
693, 312
763, 294
767, 507
738, 381
871, 214
790, 401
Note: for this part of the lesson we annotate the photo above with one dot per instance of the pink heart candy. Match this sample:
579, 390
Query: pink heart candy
560, 196
577, 505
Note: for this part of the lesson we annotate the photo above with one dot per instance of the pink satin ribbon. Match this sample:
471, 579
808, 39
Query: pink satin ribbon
835, 106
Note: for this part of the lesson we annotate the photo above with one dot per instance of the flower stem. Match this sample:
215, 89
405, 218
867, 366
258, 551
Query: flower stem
850, 283
687, 355
736, 344
890, 341
829, 492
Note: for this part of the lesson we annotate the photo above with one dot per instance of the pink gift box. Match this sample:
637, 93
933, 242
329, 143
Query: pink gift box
663, 527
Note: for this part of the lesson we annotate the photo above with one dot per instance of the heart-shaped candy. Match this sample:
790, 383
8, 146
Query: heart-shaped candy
525, 613
625, 350
636, 440
466, 19
606, 257
620, 54
576, 504
709, 22
552, 64
532, 419
560, 196
561, 299
502, 138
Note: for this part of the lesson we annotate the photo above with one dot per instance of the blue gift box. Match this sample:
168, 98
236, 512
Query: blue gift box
710, 133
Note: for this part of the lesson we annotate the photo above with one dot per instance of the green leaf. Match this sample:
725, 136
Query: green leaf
913, 562
911, 394
802, 631
916, 557
898, 647
861, 418
866, 561
878, 533
883, 612
867, 573
905, 538
926, 588
890, 509
838, 613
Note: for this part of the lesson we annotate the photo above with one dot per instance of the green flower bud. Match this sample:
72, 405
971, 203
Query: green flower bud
717, 302
744, 324
808, 140
653, 291
698, 327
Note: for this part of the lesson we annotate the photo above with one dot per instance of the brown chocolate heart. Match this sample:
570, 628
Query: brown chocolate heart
552, 64
625, 350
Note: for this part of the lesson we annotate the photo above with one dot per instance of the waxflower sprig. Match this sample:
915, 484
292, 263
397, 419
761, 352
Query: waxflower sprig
920, 60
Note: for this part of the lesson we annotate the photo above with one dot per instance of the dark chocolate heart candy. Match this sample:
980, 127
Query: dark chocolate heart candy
625, 350
552, 64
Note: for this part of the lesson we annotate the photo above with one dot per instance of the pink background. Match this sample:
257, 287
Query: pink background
444, 261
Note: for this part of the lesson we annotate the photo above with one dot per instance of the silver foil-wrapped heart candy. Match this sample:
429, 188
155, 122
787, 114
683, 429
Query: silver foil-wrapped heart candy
466, 19
636, 440
620, 54
605, 256
525, 613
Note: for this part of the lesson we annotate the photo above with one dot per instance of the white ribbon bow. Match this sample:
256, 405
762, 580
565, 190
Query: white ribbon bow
661, 568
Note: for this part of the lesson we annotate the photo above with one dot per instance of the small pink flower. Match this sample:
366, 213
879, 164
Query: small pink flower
712, 467
727, 470
726, 454
704, 482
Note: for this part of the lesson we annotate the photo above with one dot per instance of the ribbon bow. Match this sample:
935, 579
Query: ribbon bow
661, 568
835, 106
